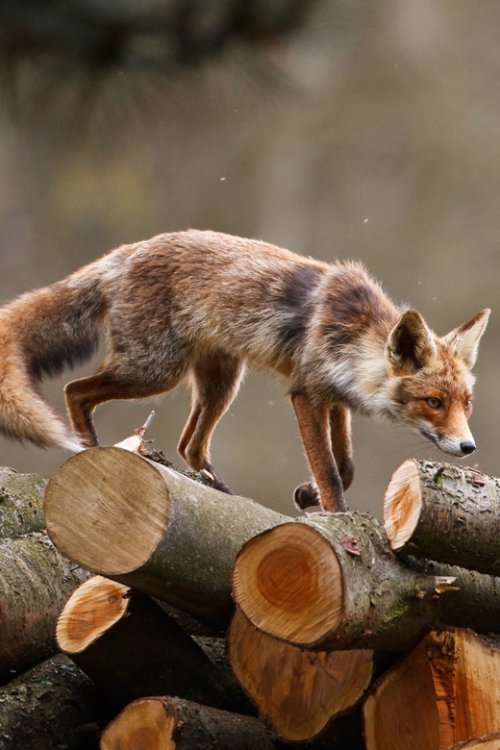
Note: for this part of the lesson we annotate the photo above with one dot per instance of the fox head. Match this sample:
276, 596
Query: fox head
431, 383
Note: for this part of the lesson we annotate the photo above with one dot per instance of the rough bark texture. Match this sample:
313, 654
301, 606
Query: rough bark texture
35, 582
299, 692
445, 512
445, 691
21, 503
131, 648
51, 707
331, 581
174, 724
151, 528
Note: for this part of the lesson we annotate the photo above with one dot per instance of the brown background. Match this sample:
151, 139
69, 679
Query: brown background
374, 135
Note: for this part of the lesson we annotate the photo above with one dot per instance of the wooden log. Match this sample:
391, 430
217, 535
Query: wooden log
444, 512
175, 724
35, 582
488, 742
299, 692
21, 503
51, 707
131, 648
149, 527
331, 581
445, 691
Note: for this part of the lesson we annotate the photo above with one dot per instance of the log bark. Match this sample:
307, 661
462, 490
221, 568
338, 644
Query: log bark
175, 724
445, 691
446, 513
299, 692
52, 706
146, 526
331, 581
21, 503
131, 648
35, 582
488, 742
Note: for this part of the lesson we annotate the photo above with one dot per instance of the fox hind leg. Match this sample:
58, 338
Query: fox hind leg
82, 397
215, 380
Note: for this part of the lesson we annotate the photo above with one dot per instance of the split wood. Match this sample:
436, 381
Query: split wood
445, 691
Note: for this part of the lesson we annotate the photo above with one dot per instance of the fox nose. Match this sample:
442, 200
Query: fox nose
467, 447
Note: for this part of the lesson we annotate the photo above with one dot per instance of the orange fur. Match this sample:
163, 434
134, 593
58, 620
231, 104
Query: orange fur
200, 305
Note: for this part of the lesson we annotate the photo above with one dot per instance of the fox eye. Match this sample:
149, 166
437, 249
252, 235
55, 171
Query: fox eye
434, 403
468, 404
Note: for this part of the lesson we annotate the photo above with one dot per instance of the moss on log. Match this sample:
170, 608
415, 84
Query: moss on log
331, 581
51, 707
35, 582
445, 512
147, 526
21, 503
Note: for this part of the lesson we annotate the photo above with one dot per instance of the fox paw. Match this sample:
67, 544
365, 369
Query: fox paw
218, 482
306, 495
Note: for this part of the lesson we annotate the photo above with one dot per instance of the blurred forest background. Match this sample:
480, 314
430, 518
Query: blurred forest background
371, 132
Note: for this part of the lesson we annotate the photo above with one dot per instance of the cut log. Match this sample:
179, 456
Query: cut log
35, 582
21, 503
299, 692
51, 707
131, 648
331, 581
488, 742
445, 691
444, 512
175, 724
147, 526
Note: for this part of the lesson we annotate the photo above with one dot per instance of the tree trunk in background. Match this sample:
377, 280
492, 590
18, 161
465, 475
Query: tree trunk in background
131, 648
176, 724
151, 528
445, 513
21, 503
52, 706
35, 583
445, 691
331, 581
299, 692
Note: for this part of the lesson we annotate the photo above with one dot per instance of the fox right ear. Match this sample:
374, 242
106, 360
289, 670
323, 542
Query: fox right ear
410, 345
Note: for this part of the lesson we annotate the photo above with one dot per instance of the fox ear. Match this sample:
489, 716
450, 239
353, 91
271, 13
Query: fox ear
464, 341
410, 345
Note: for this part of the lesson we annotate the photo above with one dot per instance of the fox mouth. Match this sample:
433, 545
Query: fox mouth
449, 446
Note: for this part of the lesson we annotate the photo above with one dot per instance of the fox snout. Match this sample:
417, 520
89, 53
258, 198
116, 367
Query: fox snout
459, 446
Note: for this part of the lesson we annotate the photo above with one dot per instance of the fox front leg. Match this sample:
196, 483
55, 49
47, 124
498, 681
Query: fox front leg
314, 426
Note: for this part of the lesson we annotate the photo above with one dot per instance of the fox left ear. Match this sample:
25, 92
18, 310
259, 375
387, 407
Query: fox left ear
464, 341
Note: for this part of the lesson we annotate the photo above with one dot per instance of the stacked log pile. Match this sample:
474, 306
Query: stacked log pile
340, 632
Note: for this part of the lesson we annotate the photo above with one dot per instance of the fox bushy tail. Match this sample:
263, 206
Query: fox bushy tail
41, 334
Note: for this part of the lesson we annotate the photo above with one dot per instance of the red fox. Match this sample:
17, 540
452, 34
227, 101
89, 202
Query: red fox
200, 305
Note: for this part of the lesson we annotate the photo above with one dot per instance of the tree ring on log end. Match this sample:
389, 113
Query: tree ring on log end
403, 504
146, 723
95, 499
90, 611
289, 583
